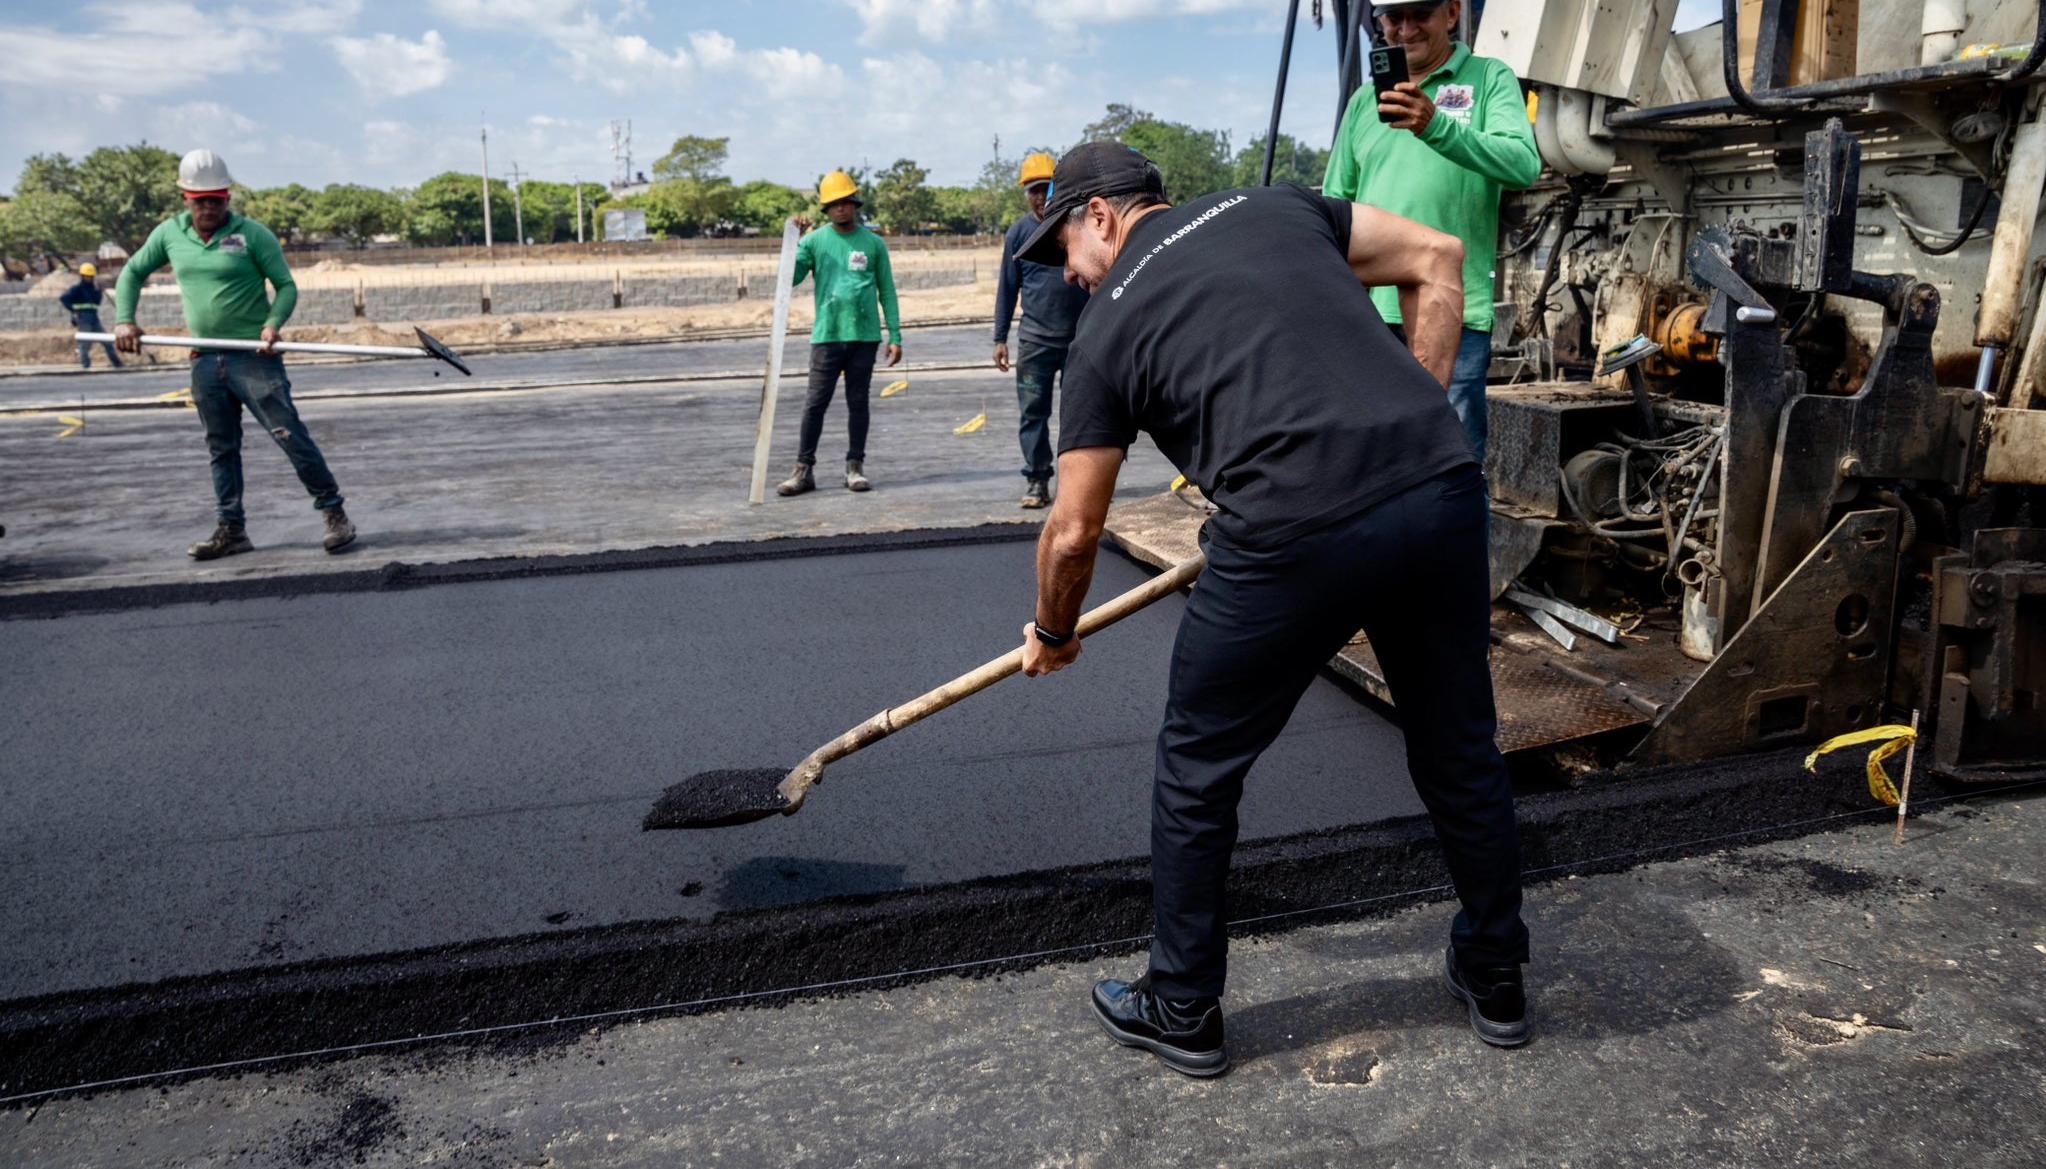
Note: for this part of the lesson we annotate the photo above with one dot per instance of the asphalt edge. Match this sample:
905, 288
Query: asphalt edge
538, 984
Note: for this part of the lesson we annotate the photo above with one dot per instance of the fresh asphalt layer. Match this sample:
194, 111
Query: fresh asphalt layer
946, 345
204, 787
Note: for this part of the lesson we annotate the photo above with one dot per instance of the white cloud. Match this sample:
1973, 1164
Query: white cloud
390, 66
932, 20
1062, 13
135, 48
301, 17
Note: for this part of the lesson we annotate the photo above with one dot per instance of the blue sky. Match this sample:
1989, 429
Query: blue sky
388, 93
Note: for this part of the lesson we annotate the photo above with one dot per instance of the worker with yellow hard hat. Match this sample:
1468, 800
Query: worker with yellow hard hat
855, 286
1050, 309
82, 301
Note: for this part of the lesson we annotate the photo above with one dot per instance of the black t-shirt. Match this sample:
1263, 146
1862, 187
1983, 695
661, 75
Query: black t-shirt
1233, 332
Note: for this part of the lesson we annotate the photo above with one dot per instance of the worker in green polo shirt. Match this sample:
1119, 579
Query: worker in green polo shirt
1457, 135
854, 287
223, 261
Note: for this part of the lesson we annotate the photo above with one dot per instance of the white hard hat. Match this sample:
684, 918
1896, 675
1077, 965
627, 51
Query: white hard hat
203, 170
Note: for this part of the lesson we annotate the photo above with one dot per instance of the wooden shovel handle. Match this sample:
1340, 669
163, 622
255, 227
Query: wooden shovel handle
810, 771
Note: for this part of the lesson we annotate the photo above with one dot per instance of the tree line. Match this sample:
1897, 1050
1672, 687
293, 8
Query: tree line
118, 194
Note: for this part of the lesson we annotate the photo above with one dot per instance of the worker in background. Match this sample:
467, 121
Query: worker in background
1237, 333
1050, 309
222, 260
1459, 136
82, 301
855, 286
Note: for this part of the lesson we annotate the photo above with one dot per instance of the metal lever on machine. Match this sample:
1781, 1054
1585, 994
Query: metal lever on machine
1710, 262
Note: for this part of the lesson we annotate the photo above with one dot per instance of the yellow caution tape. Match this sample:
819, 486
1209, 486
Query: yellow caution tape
1178, 481
972, 424
72, 425
1894, 737
895, 389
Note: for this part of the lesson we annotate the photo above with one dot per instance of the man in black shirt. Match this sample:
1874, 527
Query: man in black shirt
1238, 332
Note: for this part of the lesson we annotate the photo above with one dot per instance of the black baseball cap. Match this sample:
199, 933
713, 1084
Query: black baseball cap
1089, 169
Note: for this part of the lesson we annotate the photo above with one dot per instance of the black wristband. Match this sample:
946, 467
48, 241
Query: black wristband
1053, 640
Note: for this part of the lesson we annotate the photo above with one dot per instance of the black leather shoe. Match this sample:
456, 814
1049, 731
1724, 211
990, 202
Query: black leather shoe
1496, 997
1186, 1035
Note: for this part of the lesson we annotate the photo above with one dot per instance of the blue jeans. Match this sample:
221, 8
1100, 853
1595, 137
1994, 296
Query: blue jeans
1037, 371
1409, 571
1467, 387
224, 383
87, 321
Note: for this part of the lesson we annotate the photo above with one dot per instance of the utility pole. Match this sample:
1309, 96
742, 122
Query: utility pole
578, 209
487, 243
518, 205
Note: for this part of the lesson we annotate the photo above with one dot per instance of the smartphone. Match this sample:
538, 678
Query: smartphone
1388, 68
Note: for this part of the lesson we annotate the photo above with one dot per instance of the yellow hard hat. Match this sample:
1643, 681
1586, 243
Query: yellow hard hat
837, 185
1037, 169
87, 270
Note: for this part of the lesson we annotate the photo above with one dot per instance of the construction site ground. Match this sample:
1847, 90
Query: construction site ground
1829, 1001
292, 802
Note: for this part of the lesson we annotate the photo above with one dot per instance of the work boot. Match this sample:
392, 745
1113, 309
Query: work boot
1186, 1035
340, 533
856, 478
1496, 996
227, 540
799, 482
1038, 494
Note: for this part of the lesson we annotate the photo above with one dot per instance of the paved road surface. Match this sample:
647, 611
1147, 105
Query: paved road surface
204, 787
953, 345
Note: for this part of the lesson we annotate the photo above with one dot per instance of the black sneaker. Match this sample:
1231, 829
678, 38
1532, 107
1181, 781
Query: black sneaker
340, 532
1038, 494
1496, 997
226, 540
798, 482
1186, 1035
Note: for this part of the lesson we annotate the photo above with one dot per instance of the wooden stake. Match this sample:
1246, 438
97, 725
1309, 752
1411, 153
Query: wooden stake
1904, 789
784, 285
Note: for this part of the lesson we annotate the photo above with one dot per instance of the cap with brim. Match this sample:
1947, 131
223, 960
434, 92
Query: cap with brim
1091, 169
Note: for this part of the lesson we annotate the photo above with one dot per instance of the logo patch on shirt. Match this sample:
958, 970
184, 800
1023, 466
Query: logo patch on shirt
234, 243
1456, 101
857, 261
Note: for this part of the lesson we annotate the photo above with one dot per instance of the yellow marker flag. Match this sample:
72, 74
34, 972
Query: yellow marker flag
895, 389
1894, 737
972, 424
72, 425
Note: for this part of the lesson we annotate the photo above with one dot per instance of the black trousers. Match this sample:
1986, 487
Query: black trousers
828, 359
1411, 572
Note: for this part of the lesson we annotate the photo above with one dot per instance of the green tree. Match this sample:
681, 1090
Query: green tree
682, 208
355, 213
123, 192
1293, 161
286, 211
40, 224
448, 209
956, 209
1193, 161
1115, 123
766, 205
901, 202
692, 157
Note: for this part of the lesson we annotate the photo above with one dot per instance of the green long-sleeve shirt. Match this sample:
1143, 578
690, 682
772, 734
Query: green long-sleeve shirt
853, 278
220, 280
1448, 178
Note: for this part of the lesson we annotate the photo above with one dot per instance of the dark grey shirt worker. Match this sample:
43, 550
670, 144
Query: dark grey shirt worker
1238, 332
1051, 309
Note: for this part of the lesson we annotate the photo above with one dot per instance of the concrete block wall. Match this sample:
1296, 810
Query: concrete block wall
674, 291
324, 306
429, 302
163, 310
549, 296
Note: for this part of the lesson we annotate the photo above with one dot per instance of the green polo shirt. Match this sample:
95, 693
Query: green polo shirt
855, 285
220, 280
1450, 177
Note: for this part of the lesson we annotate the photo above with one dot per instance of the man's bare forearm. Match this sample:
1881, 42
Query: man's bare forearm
1065, 570
1433, 314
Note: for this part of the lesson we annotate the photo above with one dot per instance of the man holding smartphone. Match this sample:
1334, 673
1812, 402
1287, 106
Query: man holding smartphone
1438, 149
